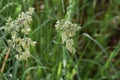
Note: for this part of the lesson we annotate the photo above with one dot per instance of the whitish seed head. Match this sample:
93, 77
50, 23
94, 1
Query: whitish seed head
67, 31
15, 27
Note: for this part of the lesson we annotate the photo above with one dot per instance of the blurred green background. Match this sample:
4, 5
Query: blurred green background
97, 43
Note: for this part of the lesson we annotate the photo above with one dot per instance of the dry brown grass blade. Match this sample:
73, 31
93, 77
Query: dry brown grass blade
5, 59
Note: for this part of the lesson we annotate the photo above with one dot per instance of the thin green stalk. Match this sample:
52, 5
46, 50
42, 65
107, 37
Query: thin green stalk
113, 54
69, 16
64, 62
70, 10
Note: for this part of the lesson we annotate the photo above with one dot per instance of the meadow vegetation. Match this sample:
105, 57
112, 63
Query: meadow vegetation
59, 39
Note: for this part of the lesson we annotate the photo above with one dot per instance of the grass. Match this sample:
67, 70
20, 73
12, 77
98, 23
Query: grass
97, 43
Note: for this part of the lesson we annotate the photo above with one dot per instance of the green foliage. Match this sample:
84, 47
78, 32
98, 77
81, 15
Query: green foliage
97, 44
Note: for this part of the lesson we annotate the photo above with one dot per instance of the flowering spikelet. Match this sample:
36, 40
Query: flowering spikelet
67, 31
19, 30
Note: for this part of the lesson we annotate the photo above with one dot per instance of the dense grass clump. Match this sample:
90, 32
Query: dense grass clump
73, 40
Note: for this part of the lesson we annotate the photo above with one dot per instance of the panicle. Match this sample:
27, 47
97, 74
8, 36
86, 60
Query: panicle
67, 30
16, 28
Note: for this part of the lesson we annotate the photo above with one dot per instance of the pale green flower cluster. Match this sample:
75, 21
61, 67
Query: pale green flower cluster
67, 31
19, 30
